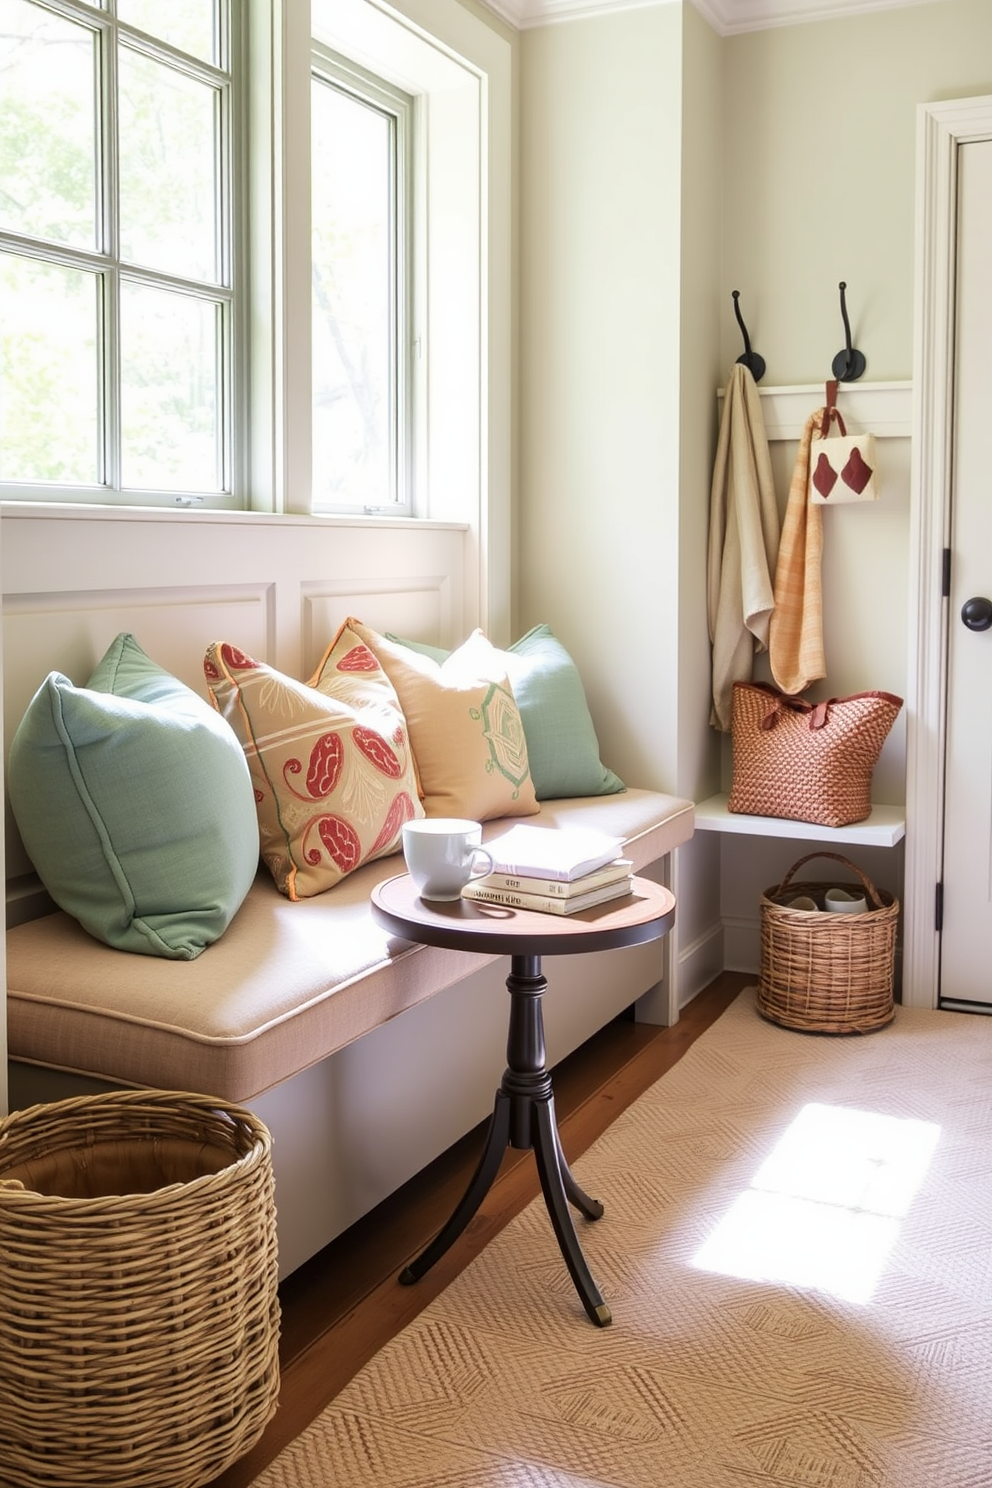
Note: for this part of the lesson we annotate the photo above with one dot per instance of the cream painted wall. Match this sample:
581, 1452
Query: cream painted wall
620, 197
698, 944
820, 160
626, 263
700, 371
600, 268
819, 187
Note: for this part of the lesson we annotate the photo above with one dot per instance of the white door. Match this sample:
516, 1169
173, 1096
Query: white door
966, 934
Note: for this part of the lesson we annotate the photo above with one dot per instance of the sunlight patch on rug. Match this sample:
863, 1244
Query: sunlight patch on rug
824, 1210
712, 1378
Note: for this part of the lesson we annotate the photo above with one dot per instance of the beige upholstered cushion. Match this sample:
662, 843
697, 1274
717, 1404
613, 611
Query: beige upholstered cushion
283, 988
330, 760
465, 728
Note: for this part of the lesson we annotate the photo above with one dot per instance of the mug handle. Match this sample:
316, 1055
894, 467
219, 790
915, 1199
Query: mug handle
480, 852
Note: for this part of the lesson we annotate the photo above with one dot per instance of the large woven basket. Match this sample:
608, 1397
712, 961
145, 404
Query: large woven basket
823, 972
139, 1313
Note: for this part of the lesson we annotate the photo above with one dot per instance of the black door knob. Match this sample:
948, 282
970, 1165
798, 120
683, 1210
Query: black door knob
977, 613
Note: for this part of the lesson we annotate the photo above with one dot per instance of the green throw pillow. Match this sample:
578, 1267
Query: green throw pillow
135, 804
561, 738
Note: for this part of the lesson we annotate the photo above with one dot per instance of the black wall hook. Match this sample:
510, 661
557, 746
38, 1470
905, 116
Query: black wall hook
752, 360
849, 363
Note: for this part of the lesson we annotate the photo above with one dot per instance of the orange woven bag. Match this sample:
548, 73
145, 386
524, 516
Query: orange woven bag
804, 761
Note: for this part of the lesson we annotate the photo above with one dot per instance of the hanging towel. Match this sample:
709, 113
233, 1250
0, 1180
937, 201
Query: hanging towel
743, 539
795, 637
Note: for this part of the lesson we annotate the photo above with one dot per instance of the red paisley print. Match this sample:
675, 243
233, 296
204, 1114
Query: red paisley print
377, 751
238, 659
341, 841
358, 659
326, 760
323, 769
399, 812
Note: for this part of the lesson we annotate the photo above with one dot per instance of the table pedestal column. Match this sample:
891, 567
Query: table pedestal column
524, 1117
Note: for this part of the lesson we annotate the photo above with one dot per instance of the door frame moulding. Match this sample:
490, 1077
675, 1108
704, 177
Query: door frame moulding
941, 129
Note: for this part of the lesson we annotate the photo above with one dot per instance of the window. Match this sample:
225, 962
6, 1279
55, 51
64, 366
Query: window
361, 268
117, 307
177, 326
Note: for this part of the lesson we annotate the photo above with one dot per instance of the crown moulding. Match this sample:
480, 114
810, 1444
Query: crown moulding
727, 17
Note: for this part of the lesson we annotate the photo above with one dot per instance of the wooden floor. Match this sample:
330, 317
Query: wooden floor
342, 1306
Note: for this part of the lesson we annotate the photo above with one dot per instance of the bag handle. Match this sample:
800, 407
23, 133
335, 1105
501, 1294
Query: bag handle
866, 882
831, 412
819, 713
778, 703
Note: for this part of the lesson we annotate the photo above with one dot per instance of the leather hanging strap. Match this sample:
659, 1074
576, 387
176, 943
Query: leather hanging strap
831, 412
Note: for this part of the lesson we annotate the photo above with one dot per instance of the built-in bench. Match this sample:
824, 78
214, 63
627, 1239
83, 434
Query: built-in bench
287, 985
328, 1028
333, 1032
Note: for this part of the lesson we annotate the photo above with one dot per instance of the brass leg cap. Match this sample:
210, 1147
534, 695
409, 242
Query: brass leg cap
604, 1316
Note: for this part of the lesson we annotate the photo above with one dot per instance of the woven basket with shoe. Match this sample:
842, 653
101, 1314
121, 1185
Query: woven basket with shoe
824, 972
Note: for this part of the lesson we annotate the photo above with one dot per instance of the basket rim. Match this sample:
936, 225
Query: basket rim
800, 886
231, 1121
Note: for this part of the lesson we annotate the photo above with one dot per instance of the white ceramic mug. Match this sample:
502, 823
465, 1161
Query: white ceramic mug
442, 855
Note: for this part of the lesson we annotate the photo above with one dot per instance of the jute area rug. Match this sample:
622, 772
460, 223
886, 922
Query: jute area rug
797, 1251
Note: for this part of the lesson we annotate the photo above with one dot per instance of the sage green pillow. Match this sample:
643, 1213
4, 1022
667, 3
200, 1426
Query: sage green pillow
562, 746
135, 804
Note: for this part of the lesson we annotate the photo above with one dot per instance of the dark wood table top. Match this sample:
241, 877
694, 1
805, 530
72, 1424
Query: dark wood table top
647, 913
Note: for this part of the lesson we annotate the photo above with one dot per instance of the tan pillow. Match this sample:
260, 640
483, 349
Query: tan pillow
465, 729
330, 760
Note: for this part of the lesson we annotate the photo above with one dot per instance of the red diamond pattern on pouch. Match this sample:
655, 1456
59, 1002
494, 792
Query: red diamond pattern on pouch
824, 476
856, 473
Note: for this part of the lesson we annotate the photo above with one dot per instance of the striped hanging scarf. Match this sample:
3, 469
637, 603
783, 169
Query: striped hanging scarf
795, 635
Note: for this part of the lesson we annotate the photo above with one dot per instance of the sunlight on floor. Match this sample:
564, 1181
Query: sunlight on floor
824, 1210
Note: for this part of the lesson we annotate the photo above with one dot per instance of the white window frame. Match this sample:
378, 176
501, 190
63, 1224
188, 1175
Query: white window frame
406, 191
460, 69
106, 263
461, 66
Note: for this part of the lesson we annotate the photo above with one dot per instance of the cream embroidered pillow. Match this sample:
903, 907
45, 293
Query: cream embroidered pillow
465, 729
330, 760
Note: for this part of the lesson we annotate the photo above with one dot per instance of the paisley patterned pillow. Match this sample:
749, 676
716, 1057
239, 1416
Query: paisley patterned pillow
465, 727
330, 761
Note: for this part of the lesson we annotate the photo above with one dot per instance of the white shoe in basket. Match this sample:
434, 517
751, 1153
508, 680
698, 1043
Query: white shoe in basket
841, 901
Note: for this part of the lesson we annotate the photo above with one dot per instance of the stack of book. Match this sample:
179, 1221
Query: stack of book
553, 871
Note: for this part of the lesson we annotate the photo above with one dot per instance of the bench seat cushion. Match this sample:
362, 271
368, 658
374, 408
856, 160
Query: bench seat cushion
284, 987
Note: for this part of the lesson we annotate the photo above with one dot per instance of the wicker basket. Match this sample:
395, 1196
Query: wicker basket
827, 973
139, 1318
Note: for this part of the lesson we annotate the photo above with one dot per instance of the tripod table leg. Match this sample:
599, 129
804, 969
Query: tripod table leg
591, 1208
547, 1148
497, 1139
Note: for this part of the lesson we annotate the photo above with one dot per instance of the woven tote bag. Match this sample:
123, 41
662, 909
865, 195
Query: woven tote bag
809, 762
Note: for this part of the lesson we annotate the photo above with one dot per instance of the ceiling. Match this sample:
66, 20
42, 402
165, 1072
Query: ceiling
727, 17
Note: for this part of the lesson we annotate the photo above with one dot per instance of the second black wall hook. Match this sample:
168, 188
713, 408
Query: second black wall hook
752, 360
849, 363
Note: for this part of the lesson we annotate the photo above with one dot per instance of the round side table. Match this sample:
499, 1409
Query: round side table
524, 1115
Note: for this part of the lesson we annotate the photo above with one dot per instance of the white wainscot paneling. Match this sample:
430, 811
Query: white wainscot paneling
421, 611
276, 587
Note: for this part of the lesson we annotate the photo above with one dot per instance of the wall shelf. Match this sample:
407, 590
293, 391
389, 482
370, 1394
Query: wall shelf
884, 828
886, 408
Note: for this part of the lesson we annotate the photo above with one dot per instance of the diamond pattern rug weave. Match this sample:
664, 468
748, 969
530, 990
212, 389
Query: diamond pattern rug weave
797, 1252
